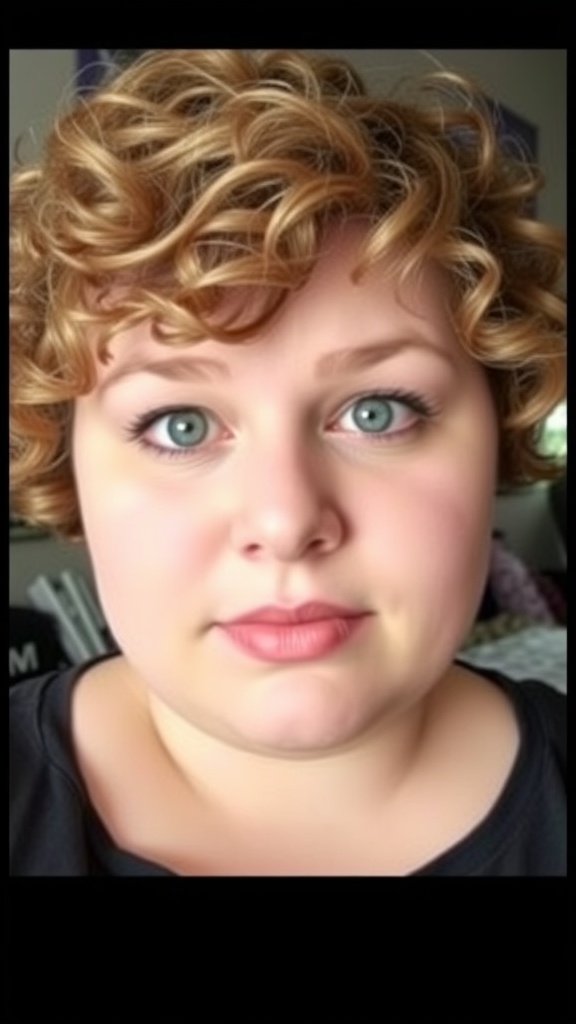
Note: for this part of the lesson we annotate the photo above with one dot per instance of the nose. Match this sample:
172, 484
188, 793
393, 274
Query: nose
285, 507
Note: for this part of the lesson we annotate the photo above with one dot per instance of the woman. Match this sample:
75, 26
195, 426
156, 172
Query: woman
274, 345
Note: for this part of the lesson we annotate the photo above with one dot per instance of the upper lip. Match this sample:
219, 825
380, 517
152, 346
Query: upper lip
313, 611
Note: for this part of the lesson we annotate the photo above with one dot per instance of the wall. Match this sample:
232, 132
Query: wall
530, 82
40, 81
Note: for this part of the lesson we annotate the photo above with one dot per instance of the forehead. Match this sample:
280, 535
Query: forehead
329, 311
334, 289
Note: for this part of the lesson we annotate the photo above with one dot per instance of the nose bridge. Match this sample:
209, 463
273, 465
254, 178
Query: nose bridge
279, 475
284, 501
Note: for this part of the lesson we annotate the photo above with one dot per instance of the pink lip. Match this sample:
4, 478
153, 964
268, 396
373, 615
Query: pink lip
313, 611
310, 631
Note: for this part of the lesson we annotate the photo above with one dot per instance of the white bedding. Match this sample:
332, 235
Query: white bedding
538, 652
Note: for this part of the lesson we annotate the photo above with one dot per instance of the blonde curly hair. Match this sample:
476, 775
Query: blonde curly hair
192, 173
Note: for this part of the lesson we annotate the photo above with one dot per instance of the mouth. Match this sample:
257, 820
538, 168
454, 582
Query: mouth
312, 611
310, 631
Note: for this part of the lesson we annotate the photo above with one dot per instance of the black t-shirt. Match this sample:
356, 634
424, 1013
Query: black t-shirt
56, 831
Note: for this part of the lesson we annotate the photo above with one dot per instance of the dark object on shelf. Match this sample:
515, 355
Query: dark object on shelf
557, 497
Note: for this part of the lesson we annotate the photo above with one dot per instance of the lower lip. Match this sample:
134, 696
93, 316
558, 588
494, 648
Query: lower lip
297, 642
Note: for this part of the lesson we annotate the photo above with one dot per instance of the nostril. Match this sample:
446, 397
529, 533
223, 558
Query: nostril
252, 549
317, 543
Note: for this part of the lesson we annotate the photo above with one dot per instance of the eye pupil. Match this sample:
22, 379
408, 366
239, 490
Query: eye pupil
187, 428
372, 414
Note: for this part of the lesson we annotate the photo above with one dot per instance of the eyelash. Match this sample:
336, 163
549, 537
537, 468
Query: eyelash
420, 406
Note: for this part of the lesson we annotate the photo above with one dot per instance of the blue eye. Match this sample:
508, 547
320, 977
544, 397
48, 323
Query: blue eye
373, 414
185, 429
174, 431
384, 415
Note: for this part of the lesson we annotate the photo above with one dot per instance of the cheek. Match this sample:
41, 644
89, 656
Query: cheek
142, 537
430, 533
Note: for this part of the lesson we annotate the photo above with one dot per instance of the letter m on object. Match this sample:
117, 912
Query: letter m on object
25, 660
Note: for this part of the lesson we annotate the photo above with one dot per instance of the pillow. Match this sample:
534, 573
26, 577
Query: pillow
500, 626
514, 587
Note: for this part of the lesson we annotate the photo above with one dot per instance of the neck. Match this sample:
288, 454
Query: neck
259, 785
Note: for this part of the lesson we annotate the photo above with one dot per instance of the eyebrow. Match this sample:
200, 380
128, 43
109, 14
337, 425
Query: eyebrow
183, 367
359, 357
333, 364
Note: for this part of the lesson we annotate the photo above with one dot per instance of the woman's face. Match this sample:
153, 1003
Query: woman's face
345, 457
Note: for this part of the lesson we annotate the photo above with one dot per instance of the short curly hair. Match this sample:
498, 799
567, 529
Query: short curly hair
191, 173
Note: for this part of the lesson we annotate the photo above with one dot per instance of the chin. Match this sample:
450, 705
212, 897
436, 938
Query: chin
307, 716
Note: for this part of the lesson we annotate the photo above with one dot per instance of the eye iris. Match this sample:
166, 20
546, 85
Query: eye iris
187, 428
372, 414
